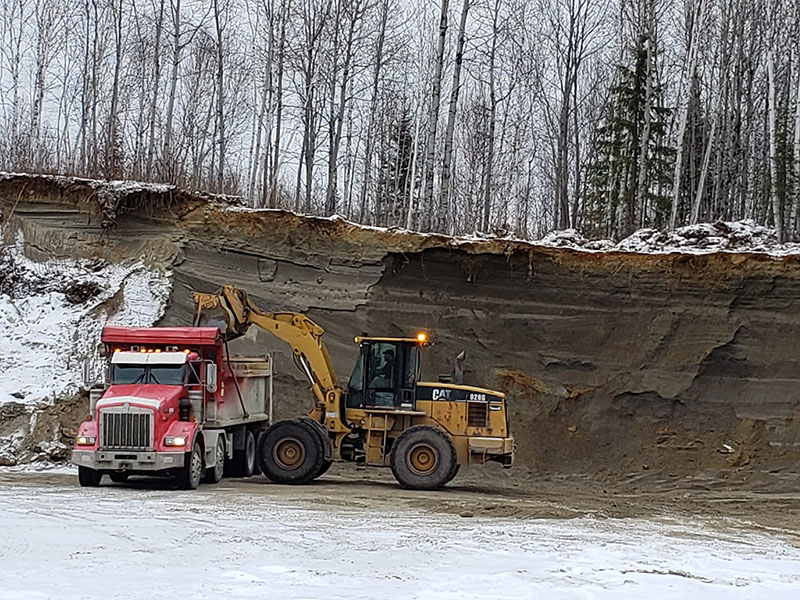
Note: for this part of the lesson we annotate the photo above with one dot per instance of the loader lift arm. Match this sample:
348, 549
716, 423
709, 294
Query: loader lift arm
232, 311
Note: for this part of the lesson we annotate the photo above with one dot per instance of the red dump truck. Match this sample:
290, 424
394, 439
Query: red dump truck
173, 403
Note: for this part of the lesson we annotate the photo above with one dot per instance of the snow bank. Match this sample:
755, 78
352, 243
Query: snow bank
702, 238
51, 315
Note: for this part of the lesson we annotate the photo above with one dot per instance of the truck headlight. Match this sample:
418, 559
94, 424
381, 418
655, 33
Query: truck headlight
86, 440
175, 441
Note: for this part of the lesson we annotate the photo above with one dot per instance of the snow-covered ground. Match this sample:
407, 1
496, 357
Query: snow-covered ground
252, 541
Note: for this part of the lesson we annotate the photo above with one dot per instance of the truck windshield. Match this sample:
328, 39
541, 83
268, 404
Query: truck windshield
161, 375
128, 374
168, 374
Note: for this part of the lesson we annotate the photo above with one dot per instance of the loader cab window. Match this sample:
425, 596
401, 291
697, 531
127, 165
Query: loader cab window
385, 375
355, 387
382, 374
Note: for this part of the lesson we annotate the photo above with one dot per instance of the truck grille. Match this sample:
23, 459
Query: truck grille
477, 414
126, 430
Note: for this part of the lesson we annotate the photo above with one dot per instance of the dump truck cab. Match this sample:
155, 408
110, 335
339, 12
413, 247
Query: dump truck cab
171, 402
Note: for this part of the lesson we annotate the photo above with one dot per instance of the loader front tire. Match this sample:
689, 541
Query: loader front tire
423, 458
289, 452
89, 477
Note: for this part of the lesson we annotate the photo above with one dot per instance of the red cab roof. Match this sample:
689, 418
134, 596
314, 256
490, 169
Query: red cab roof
194, 336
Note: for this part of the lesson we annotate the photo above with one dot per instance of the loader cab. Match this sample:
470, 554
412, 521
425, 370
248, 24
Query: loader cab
386, 373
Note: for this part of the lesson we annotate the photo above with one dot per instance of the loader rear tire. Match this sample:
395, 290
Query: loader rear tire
89, 477
244, 461
289, 452
423, 458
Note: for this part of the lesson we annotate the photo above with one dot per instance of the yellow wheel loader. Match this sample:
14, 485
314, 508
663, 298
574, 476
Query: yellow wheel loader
385, 416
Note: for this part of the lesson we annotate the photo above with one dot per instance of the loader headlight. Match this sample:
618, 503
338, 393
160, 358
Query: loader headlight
174, 441
86, 440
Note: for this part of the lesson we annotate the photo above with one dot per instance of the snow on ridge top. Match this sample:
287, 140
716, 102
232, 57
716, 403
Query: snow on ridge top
703, 238
743, 236
122, 186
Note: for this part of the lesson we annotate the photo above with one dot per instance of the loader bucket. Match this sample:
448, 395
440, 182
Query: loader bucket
211, 311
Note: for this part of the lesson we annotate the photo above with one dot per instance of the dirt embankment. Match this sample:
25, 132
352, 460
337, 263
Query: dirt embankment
627, 368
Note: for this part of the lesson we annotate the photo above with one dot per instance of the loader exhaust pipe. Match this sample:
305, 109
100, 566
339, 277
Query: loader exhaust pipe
458, 370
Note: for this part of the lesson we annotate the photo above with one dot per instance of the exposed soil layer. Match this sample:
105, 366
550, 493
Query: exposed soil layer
641, 370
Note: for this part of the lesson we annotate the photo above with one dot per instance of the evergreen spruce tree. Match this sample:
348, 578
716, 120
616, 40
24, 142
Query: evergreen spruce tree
612, 208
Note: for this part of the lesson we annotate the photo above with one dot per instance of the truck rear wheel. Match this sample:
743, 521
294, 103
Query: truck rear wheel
118, 477
243, 463
89, 477
191, 472
289, 452
423, 458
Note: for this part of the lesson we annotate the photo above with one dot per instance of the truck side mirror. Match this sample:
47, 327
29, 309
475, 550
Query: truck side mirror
86, 376
211, 378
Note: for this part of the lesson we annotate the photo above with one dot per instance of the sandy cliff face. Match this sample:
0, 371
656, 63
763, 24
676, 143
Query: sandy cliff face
617, 363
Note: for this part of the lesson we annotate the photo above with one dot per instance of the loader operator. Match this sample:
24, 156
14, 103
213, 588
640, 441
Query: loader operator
383, 380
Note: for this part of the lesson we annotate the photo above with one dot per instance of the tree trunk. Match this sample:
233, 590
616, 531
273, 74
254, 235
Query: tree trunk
220, 99
433, 123
691, 70
167, 159
273, 188
355, 9
373, 105
644, 141
444, 191
151, 126
796, 157
487, 188
113, 166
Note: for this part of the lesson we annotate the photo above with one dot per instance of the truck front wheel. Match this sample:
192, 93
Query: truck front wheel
191, 472
89, 477
289, 452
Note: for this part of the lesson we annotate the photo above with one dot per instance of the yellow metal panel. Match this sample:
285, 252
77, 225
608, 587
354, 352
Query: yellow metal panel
455, 386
